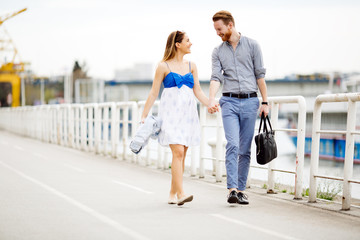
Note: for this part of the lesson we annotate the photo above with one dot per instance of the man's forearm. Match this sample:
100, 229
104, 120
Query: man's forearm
214, 88
263, 89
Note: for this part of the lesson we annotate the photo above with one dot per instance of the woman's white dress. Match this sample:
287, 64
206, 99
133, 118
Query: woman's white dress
178, 111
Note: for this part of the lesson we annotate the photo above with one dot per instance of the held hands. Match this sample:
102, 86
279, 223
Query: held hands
213, 106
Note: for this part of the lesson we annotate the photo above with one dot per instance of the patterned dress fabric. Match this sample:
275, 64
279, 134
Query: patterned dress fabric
178, 111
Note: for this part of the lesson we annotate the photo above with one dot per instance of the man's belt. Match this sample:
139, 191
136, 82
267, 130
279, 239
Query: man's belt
240, 95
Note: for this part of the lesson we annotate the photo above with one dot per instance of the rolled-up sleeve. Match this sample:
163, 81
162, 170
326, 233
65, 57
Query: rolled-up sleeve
216, 74
258, 61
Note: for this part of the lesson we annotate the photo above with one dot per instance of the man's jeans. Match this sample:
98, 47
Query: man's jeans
239, 116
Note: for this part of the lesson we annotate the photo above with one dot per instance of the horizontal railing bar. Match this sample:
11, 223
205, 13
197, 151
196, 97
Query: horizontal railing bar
281, 170
329, 177
213, 159
285, 129
274, 169
354, 181
259, 167
331, 131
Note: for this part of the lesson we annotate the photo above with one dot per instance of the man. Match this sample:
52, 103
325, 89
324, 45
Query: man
237, 63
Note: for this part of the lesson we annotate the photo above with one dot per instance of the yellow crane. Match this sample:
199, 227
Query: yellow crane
8, 16
10, 80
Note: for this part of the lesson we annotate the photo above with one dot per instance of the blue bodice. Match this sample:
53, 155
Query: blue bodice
175, 79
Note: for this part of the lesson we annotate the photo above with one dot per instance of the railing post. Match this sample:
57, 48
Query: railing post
147, 155
166, 158
315, 150
160, 156
105, 129
349, 154
91, 127
97, 131
77, 126
46, 124
65, 125
58, 125
62, 125
300, 151
114, 125
219, 147
203, 142
83, 118
271, 166
194, 159
71, 126
125, 135
134, 125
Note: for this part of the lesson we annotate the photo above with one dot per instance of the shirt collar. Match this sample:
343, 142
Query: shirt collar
240, 40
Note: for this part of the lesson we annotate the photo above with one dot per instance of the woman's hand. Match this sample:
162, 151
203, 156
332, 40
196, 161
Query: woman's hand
213, 106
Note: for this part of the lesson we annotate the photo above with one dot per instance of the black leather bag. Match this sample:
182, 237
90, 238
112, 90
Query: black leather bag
266, 149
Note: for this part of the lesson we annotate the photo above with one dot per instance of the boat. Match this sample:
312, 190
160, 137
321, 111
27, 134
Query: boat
334, 117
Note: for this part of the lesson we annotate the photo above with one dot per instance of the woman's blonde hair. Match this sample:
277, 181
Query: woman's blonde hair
170, 49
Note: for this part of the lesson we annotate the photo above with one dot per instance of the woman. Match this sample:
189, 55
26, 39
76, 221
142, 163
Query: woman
180, 123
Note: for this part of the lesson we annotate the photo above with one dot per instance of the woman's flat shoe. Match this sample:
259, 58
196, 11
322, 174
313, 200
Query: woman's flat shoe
172, 201
183, 200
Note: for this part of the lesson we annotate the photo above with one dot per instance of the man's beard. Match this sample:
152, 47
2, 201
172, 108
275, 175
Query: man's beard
226, 36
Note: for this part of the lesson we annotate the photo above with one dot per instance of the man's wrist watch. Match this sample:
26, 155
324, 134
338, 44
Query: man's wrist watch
264, 103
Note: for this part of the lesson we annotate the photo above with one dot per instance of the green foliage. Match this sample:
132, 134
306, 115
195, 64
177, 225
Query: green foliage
325, 190
305, 192
328, 191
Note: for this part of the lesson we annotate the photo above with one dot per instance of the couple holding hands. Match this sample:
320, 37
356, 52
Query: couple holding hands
237, 64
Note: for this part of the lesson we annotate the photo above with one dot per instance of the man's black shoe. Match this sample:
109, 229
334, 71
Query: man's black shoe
232, 198
242, 198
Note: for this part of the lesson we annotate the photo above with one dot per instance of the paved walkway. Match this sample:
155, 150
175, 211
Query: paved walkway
52, 192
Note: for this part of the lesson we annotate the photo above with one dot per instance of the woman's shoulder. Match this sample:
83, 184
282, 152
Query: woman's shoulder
192, 64
162, 66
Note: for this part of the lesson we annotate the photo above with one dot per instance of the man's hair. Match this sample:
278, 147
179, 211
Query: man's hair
225, 16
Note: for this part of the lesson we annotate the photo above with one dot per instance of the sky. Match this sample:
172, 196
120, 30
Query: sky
296, 37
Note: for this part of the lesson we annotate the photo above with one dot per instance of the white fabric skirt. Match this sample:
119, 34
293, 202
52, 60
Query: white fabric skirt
179, 115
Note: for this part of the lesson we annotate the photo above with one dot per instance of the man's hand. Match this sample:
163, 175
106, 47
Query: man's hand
213, 106
264, 109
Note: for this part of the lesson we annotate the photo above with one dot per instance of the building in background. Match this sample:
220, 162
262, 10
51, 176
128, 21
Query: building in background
139, 72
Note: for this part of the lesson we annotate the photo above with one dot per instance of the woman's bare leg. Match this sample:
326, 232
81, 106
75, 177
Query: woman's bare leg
177, 169
185, 150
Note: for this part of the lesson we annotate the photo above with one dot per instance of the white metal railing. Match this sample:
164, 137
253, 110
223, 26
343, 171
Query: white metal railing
351, 99
107, 128
96, 128
89, 127
300, 149
274, 101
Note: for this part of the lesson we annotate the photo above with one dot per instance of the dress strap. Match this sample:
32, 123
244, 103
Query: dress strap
189, 66
168, 66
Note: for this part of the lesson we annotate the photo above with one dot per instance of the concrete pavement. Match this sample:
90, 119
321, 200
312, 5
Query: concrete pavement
52, 192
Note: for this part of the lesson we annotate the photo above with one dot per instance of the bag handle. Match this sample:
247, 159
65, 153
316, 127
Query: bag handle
264, 119
267, 117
